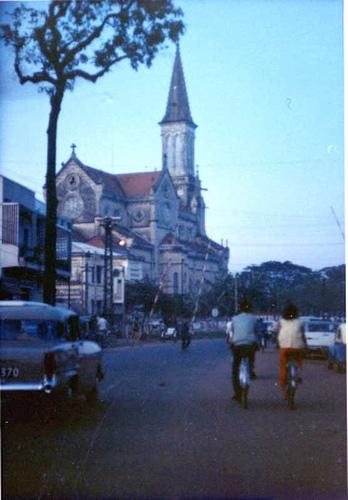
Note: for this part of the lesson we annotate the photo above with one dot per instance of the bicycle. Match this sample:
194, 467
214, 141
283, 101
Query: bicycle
292, 380
244, 380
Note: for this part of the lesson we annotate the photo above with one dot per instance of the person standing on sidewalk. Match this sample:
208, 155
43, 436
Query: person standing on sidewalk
243, 340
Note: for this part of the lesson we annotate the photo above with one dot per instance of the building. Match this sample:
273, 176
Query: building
161, 214
85, 291
22, 229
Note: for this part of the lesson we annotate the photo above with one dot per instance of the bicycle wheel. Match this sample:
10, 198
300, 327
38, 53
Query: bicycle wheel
291, 398
244, 375
244, 398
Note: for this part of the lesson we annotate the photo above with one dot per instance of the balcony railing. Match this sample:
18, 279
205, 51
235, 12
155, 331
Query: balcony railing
35, 256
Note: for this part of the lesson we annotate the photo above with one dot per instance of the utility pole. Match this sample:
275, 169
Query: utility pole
182, 277
87, 256
236, 293
338, 223
124, 301
108, 223
69, 292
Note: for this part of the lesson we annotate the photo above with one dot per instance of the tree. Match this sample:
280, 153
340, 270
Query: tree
140, 293
81, 39
271, 285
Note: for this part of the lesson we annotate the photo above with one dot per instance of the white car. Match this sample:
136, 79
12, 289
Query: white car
169, 333
320, 334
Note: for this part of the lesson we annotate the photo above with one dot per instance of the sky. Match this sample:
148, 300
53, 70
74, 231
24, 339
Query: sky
265, 85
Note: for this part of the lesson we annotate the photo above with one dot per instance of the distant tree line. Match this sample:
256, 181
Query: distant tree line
269, 286
273, 284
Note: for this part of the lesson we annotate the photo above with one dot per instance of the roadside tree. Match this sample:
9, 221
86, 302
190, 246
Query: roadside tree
81, 39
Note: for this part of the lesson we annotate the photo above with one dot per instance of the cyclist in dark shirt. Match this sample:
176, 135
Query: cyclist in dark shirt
243, 340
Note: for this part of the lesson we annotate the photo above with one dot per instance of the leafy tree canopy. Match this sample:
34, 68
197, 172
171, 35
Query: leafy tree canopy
272, 284
85, 38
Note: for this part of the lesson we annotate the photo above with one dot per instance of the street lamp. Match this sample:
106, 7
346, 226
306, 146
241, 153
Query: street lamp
108, 223
182, 276
236, 293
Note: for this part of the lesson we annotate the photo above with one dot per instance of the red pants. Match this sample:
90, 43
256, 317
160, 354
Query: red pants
283, 359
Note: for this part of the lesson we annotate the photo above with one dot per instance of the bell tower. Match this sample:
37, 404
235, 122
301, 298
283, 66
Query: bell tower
178, 134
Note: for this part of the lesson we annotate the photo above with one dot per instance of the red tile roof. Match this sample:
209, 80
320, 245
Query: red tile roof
77, 236
110, 181
139, 183
96, 241
138, 242
133, 184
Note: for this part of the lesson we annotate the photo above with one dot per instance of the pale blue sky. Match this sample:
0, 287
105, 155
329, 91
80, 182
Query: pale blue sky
265, 85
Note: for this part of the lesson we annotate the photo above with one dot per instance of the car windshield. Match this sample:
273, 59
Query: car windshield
29, 330
319, 327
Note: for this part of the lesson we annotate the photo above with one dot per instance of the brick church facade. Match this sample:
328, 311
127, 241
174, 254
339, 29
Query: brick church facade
160, 214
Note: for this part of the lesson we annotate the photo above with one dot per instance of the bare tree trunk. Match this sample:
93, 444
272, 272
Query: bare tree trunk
49, 282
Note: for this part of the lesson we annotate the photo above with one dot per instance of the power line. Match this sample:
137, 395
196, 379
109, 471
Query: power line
270, 214
280, 245
270, 226
266, 163
338, 223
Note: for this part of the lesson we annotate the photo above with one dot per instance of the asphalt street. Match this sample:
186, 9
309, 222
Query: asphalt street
166, 428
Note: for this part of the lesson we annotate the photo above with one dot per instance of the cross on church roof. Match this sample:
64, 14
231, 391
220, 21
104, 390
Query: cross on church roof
73, 147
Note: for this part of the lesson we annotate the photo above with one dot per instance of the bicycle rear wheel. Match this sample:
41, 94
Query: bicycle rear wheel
291, 398
244, 398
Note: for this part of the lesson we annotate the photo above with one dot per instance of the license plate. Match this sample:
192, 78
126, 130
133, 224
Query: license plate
9, 372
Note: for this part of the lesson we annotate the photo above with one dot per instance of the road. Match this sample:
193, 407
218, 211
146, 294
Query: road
167, 428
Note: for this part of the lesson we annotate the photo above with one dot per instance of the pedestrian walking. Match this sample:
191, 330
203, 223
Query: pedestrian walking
262, 334
185, 333
337, 351
136, 327
102, 329
243, 343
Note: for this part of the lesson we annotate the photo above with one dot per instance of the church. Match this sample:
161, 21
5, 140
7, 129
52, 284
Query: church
160, 215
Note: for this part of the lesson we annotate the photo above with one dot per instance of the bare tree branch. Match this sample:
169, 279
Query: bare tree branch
90, 76
38, 77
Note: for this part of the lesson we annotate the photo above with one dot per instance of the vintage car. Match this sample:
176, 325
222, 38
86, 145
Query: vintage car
41, 352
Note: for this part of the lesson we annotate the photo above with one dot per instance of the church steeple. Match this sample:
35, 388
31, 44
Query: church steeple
178, 108
178, 130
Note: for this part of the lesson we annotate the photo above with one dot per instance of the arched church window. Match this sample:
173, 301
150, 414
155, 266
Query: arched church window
174, 146
181, 151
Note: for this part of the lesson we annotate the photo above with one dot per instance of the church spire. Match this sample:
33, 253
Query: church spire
178, 108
